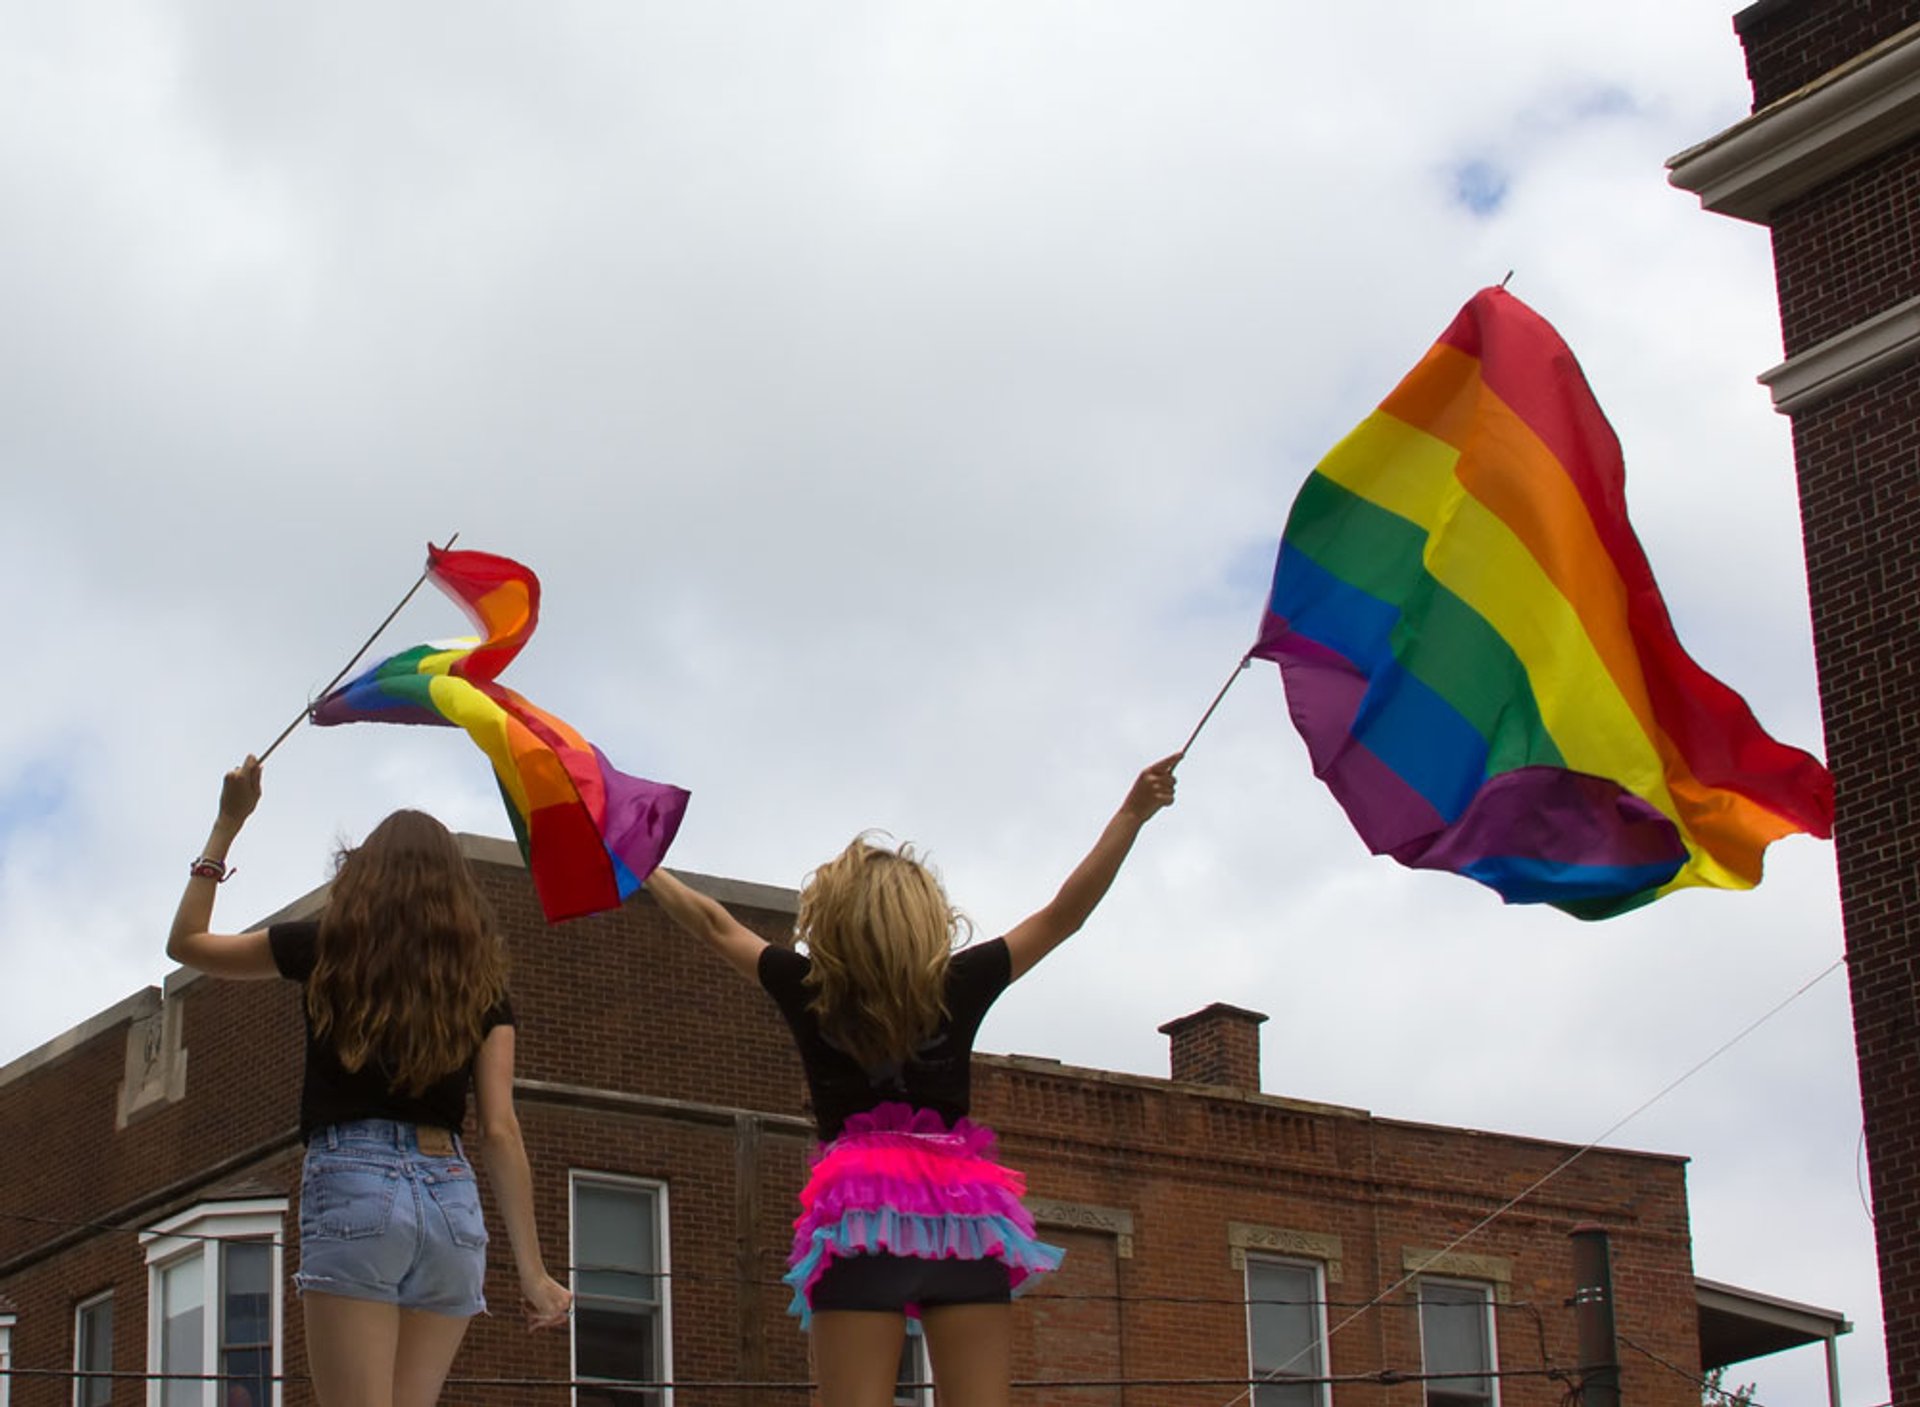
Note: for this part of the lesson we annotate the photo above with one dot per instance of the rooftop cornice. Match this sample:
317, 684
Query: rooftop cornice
1835, 123
1866, 349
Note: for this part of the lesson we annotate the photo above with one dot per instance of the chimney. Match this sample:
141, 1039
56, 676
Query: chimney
1217, 1045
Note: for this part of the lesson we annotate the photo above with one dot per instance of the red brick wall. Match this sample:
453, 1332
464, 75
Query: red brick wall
1844, 252
1187, 1164
1849, 249
646, 1057
1789, 43
1859, 470
61, 1151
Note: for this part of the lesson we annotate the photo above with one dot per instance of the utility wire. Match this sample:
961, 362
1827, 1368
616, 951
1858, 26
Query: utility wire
1385, 1376
1563, 1164
761, 1282
1693, 1378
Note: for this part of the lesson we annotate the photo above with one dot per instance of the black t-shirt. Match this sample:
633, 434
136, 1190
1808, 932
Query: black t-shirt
332, 1094
936, 1077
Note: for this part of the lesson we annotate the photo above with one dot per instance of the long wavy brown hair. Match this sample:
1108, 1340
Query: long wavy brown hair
880, 930
409, 959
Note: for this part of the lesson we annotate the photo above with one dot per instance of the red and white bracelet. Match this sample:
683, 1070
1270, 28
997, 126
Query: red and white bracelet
204, 868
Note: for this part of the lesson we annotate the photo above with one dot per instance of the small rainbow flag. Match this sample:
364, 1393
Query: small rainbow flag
1480, 662
590, 834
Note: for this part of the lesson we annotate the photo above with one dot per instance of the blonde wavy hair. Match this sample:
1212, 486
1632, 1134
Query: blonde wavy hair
408, 960
880, 931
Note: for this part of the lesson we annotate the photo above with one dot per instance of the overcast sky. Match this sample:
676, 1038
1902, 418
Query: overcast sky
901, 404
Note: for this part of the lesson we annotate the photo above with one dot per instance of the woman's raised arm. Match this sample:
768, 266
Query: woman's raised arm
708, 920
1036, 936
188, 942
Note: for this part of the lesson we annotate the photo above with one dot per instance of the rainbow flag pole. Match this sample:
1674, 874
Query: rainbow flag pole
590, 834
1238, 669
308, 710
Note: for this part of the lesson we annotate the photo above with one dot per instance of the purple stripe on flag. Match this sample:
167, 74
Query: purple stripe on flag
1547, 814
1323, 695
1561, 817
641, 819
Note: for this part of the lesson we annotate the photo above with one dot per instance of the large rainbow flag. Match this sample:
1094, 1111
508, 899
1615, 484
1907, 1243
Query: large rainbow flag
1480, 662
590, 833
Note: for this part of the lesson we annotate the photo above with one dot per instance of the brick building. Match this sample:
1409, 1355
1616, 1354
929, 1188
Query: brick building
149, 1206
1829, 161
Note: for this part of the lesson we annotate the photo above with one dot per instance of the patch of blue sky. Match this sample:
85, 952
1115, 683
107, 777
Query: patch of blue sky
1480, 185
34, 798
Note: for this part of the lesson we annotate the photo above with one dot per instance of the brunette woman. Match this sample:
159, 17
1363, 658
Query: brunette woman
405, 984
907, 1213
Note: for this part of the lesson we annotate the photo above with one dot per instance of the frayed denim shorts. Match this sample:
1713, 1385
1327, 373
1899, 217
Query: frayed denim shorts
381, 1220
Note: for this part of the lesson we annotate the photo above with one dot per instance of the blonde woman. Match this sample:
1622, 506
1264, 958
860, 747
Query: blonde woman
907, 1212
405, 982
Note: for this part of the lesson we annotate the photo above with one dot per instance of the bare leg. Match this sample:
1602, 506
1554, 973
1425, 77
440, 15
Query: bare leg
971, 1346
427, 1345
856, 1355
350, 1349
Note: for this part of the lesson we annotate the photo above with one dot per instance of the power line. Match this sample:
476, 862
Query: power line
1693, 1378
1565, 1163
761, 1282
1383, 1376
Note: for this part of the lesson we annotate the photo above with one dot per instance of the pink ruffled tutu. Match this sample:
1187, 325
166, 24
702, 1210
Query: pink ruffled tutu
898, 1181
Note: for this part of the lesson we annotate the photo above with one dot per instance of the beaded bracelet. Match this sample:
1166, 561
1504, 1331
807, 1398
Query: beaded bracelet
204, 868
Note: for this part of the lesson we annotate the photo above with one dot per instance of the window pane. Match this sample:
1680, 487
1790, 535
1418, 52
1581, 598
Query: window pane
613, 1242
614, 1342
246, 1323
1286, 1395
93, 1351
182, 1330
591, 1396
1454, 1338
246, 1294
912, 1370
616, 1321
249, 1380
1283, 1319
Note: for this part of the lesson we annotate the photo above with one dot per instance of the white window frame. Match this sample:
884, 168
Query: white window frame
1318, 1270
80, 1372
200, 1231
7, 1322
577, 1177
914, 1368
1488, 1299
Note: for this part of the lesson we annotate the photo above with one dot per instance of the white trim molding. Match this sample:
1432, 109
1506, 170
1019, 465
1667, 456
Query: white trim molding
243, 1219
1810, 136
1846, 359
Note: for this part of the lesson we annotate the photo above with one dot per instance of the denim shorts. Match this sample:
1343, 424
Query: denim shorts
380, 1220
